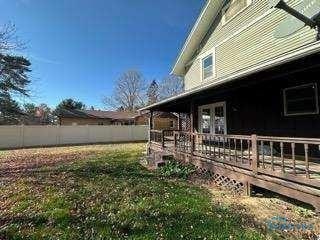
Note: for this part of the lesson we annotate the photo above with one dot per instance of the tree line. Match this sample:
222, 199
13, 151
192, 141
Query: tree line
130, 92
14, 84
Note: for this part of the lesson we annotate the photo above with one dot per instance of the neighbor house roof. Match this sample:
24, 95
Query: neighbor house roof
113, 115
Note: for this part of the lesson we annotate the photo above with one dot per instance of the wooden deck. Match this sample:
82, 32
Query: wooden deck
288, 166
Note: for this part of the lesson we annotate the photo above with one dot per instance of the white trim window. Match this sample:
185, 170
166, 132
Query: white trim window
208, 66
301, 100
233, 8
212, 118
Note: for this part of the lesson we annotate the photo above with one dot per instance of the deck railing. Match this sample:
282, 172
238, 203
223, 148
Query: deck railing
234, 150
225, 148
162, 137
287, 157
294, 158
156, 136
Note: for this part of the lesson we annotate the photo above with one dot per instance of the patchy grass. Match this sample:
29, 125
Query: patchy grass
101, 192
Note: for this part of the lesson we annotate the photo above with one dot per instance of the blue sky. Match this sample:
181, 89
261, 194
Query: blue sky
78, 48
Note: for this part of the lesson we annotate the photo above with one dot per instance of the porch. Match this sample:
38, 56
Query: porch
286, 166
260, 129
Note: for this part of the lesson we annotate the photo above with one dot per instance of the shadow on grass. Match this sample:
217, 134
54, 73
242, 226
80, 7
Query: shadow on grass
113, 197
157, 223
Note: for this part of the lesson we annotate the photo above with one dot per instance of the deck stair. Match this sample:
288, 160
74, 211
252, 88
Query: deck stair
158, 158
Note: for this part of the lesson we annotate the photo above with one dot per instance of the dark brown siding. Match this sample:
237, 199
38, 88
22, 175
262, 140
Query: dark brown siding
258, 109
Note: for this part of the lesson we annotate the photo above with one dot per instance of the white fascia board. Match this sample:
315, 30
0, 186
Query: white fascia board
294, 55
199, 30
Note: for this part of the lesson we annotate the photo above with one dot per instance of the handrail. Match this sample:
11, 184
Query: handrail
289, 139
218, 135
155, 131
295, 158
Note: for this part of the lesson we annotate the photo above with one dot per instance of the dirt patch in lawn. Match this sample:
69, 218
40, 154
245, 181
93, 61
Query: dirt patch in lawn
264, 208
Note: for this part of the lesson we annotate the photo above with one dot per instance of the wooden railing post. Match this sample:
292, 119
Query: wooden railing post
192, 144
255, 153
175, 140
163, 138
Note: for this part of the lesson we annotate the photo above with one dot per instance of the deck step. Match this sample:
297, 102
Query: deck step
158, 159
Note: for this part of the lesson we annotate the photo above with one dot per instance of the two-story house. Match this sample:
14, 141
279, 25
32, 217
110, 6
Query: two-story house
252, 97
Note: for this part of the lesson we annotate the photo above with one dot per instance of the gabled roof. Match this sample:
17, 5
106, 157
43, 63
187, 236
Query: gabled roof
198, 32
112, 115
73, 114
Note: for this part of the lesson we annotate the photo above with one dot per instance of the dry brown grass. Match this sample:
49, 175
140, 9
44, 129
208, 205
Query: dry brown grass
260, 208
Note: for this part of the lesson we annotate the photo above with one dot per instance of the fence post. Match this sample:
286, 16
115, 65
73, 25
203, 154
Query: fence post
255, 153
58, 134
88, 133
22, 135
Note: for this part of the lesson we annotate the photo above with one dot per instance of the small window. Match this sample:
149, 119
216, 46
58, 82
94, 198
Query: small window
171, 124
207, 67
233, 8
301, 100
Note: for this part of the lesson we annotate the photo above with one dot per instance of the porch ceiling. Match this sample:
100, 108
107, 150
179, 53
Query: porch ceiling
181, 102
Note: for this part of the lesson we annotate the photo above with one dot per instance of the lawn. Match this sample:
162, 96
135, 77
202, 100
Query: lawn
102, 192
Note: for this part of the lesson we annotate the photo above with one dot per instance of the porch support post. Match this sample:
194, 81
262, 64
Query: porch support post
150, 123
255, 153
179, 122
192, 109
151, 119
192, 142
248, 189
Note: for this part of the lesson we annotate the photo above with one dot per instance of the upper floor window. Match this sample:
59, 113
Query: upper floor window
207, 67
301, 100
233, 8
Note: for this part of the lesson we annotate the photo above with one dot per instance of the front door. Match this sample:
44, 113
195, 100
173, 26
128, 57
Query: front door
212, 118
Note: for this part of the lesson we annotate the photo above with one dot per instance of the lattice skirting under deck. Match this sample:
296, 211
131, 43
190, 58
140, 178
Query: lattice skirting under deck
223, 182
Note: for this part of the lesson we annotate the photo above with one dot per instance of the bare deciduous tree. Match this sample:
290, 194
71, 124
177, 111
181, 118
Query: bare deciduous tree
129, 93
14, 79
171, 86
8, 39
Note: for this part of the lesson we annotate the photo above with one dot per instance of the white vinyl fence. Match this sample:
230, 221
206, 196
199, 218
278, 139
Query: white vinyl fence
31, 136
